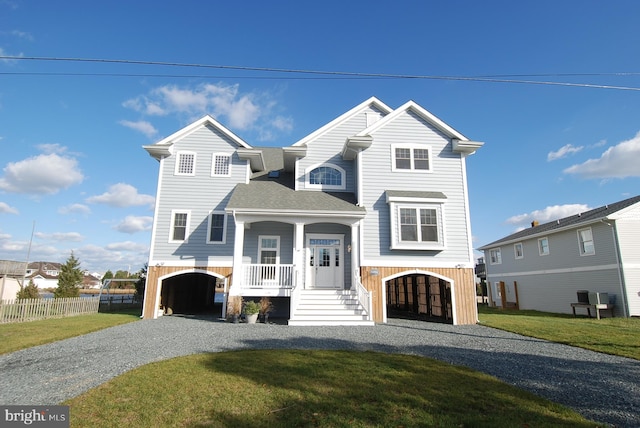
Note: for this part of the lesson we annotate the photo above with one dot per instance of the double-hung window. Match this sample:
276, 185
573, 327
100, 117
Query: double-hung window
179, 226
495, 256
221, 165
217, 228
410, 157
269, 256
543, 246
416, 220
585, 238
518, 251
185, 163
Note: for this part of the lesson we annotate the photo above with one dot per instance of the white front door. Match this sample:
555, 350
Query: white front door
325, 261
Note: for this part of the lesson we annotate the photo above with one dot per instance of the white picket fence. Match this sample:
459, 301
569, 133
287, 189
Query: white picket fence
38, 309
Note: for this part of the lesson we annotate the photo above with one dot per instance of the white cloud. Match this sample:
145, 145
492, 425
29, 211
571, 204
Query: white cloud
141, 126
564, 151
42, 174
619, 161
74, 209
6, 209
547, 214
127, 246
122, 195
60, 236
9, 60
52, 148
22, 35
224, 102
133, 224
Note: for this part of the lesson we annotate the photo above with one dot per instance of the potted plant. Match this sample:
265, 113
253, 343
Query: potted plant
251, 310
265, 307
234, 307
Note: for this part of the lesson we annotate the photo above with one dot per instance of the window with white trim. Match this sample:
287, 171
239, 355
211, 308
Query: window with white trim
585, 239
179, 226
518, 250
217, 230
417, 226
410, 158
495, 256
326, 177
221, 165
543, 246
185, 163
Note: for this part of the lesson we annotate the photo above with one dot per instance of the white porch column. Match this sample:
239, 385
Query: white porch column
355, 258
238, 245
298, 253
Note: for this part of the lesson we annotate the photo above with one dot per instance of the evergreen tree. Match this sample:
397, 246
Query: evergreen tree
142, 280
28, 292
70, 279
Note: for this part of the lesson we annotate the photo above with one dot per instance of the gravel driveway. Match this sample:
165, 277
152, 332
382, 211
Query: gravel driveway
601, 387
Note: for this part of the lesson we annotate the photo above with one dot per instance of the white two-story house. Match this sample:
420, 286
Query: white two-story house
363, 219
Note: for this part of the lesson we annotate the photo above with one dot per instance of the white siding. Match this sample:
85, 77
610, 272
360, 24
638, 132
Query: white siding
446, 177
200, 194
628, 234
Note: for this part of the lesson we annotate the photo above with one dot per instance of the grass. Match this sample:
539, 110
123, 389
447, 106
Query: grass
289, 388
616, 336
16, 336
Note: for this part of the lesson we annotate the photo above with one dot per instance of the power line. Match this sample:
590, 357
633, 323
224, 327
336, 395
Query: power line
504, 78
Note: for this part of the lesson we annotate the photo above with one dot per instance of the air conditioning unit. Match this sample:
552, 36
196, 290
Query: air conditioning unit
598, 298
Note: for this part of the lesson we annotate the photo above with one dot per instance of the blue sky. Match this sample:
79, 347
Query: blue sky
71, 132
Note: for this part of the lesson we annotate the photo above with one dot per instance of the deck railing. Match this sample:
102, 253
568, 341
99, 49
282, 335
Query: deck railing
268, 276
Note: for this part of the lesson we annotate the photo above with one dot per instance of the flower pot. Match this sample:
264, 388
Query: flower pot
251, 318
235, 318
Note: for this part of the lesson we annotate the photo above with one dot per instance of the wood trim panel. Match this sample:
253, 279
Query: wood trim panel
464, 290
155, 272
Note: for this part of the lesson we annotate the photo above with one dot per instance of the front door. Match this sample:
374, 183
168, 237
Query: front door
325, 261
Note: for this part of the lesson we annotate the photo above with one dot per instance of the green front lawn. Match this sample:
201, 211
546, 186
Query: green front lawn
285, 388
16, 336
616, 336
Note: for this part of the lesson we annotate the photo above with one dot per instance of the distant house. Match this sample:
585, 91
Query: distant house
365, 217
544, 266
43, 274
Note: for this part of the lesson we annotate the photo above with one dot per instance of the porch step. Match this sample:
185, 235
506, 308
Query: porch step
329, 307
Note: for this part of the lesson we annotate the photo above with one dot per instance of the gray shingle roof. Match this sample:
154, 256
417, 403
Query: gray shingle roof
277, 196
574, 220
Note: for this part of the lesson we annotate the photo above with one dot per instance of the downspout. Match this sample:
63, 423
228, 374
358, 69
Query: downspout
623, 288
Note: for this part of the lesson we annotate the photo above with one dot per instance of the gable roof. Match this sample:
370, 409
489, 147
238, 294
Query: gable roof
163, 147
460, 143
601, 213
373, 101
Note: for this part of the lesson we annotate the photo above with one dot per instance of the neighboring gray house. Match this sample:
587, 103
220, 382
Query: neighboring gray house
596, 251
364, 218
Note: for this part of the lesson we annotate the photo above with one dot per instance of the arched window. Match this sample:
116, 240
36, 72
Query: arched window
326, 177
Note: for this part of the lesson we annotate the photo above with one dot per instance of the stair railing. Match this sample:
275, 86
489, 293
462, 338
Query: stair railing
364, 295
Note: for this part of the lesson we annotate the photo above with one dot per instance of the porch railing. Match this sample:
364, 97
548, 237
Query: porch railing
363, 295
268, 276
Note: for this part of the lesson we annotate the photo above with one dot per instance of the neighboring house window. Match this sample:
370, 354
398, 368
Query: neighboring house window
517, 249
179, 226
411, 158
221, 165
325, 177
217, 228
185, 163
585, 237
495, 256
543, 246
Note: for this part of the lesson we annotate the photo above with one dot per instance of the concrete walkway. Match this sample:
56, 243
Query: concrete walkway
600, 387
